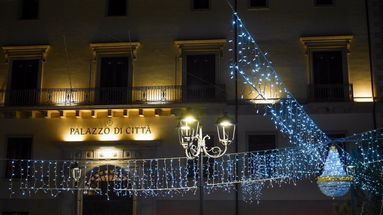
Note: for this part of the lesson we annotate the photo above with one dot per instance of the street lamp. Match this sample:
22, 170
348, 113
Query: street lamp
194, 143
76, 174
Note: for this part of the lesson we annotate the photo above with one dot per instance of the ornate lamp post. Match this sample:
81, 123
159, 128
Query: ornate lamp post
76, 175
193, 141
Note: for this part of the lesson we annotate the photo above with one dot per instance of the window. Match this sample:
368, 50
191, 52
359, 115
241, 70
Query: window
327, 67
327, 57
29, 9
15, 213
24, 83
258, 4
323, 2
114, 77
200, 65
25, 66
260, 142
328, 76
200, 76
114, 80
18, 148
201, 4
116, 7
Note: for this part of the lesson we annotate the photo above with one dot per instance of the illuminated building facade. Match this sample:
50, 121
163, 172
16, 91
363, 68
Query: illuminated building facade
109, 79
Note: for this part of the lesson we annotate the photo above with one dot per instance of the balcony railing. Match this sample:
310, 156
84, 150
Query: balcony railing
207, 93
330, 92
110, 96
157, 95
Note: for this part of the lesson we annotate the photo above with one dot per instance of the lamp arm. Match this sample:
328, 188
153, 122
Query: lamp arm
188, 154
218, 151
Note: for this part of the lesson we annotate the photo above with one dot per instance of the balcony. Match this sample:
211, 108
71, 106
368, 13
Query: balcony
204, 93
330, 92
111, 96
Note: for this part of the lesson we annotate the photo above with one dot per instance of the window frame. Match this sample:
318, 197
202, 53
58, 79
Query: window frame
344, 63
13, 53
345, 73
185, 73
39, 72
185, 65
313, 44
197, 47
99, 62
122, 49
130, 74
39, 80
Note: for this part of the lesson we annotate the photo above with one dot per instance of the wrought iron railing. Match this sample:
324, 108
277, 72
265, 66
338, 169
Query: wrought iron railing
330, 92
156, 94
197, 93
110, 96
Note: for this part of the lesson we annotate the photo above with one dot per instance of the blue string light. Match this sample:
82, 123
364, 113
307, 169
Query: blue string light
254, 171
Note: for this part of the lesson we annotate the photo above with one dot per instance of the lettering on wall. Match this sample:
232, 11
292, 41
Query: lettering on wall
111, 130
108, 131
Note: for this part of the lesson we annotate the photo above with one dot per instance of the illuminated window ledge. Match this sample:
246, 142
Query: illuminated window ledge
26, 52
264, 101
89, 113
200, 46
120, 48
363, 99
327, 42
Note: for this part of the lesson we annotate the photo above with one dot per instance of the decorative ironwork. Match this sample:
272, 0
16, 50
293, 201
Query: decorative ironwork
194, 142
331, 92
110, 96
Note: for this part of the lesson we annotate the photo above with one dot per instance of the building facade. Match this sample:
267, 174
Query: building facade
109, 79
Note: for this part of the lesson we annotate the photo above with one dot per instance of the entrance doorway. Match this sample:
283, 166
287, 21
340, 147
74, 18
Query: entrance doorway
105, 178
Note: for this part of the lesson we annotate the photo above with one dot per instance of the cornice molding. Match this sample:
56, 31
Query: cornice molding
17, 52
121, 48
327, 42
215, 45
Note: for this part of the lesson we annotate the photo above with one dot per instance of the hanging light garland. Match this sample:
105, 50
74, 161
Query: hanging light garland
178, 176
288, 115
252, 170
258, 73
